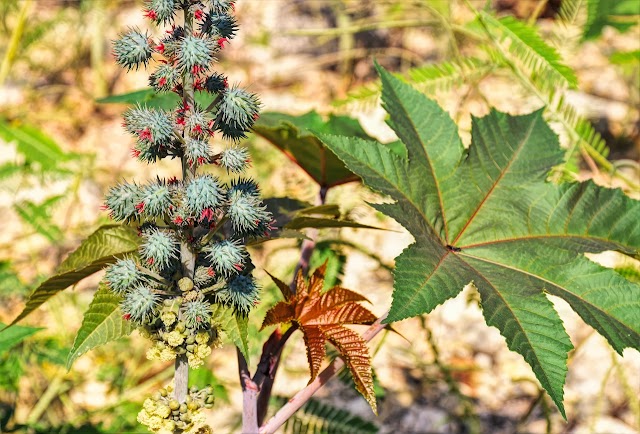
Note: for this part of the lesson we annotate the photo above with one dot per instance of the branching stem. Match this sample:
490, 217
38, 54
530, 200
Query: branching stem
305, 394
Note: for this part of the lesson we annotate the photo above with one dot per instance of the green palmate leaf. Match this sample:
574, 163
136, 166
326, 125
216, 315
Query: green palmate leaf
101, 248
486, 215
235, 327
102, 323
620, 14
532, 52
14, 336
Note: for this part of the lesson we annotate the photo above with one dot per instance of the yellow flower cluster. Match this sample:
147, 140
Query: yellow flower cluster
163, 414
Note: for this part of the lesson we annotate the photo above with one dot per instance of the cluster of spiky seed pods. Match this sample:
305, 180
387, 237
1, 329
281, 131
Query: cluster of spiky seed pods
206, 217
164, 414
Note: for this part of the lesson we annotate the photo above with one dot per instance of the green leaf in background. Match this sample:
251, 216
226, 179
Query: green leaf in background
35, 145
486, 216
297, 137
100, 249
235, 327
14, 336
625, 57
102, 323
294, 215
148, 98
10, 283
39, 217
293, 135
619, 14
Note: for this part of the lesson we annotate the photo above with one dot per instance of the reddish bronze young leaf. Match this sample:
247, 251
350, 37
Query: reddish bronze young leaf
321, 317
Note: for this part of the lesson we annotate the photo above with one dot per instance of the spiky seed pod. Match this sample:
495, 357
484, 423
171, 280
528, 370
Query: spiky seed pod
160, 11
246, 213
219, 25
234, 159
203, 193
170, 44
132, 49
246, 186
197, 151
238, 112
226, 256
149, 125
195, 54
158, 247
148, 152
197, 123
156, 199
222, 6
216, 83
123, 275
140, 304
121, 201
240, 292
165, 78
197, 314
204, 276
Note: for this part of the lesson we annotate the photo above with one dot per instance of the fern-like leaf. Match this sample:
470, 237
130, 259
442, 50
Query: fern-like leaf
430, 79
320, 418
531, 52
570, 10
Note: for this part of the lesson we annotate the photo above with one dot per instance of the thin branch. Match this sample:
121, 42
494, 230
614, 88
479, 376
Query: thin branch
305, 394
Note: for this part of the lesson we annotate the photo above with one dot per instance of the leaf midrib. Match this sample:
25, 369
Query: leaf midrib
497, 180
431, 172
517, 320
550, 283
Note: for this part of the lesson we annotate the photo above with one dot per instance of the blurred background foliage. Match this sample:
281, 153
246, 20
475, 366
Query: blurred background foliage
62, 146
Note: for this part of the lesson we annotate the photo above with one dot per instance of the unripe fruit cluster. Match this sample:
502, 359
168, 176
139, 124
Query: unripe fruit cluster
192, 336
164, 414
202, 219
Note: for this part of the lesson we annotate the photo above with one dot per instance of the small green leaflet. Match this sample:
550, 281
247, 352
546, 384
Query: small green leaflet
486, 215
14, 336
100, 249
102, 323
235, 327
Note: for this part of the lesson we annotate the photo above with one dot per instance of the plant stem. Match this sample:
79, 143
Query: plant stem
256, 392
249, 397
305, 394
187, 255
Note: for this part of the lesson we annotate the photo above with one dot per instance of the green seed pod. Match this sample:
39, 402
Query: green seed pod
174, 404
190, 341
132, 49
183, 408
